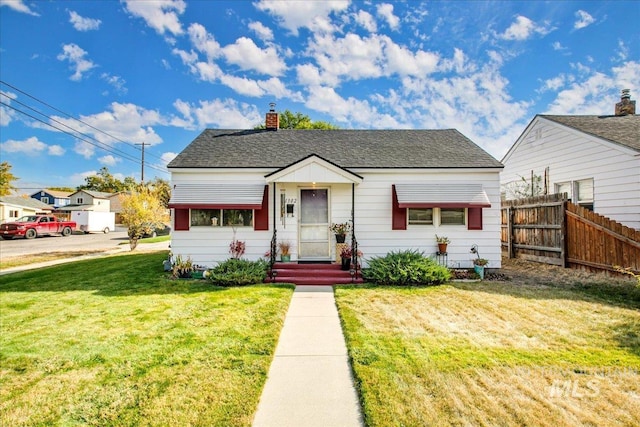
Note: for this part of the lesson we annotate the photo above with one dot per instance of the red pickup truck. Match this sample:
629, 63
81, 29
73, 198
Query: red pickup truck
31, 226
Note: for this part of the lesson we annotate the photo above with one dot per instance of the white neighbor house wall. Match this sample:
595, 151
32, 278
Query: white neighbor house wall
572, 155
373, 217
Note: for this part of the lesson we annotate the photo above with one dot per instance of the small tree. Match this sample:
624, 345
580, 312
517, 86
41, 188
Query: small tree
142, 212
6, 179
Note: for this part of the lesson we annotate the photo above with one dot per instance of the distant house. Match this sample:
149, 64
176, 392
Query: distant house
116, 205
399, 187
13, 207
88, 200
594, 159
55, 198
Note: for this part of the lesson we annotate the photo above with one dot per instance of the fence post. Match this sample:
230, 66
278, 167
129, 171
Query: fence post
563, 233
509, 232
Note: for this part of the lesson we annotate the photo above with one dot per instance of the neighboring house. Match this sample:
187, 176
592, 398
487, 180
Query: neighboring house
594, 159
401, 187
115, 205
55, 198
13, 207
88, 200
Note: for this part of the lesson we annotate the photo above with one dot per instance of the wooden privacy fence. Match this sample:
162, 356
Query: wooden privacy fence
552, 230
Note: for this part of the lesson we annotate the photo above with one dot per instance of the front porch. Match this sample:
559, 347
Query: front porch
312, 274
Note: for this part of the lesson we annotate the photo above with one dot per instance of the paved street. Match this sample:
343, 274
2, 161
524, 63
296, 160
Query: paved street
75, 242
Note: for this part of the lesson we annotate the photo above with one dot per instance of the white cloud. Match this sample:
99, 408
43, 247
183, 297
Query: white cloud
203, 41
385, 10
219, 113
366, 21
7, 114
30, 146
263, 32
167, 157
161, 15
81, 23
116, 81
294, 15
586, 96
18, 6
583, 20
76, 57
109, 160
557, 46
245, 54
56, 150
523, 28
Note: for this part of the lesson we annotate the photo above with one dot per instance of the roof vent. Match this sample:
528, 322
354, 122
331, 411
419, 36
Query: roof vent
272, 121
626, 106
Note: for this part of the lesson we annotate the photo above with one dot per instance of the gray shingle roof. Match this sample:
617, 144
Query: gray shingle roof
446, 148
623, 130
27, 202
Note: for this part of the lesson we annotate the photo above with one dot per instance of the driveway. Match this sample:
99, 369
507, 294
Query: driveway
75, 242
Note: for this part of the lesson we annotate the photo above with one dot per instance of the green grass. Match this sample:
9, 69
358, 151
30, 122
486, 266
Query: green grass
495, 354
113, 342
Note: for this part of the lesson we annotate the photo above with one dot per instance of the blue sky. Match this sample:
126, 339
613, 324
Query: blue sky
111, 75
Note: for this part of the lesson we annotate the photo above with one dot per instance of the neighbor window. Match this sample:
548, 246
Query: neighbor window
79, 200
13, 214
452, 216
584, 193
564, 187
44, 200
420, 216
222, 217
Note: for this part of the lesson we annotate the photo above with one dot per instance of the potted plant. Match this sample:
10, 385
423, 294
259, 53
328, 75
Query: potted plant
442, 241
284, 247
346, 254
340, 229
479, 265
182, 268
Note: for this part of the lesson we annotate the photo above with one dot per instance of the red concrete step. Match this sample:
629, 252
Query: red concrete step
312, 274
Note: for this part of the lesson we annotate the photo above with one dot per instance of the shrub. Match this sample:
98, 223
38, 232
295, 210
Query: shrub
405, 268
238, 272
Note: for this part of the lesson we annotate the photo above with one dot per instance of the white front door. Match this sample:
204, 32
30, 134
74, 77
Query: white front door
314, 224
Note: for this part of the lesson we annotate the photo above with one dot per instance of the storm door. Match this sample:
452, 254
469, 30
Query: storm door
314, 224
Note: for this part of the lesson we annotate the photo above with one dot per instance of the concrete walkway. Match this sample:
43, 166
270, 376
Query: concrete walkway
310, 382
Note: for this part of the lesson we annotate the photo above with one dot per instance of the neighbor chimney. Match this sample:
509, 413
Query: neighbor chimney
273, 120
626, 105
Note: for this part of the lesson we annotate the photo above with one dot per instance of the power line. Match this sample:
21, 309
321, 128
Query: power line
71, 117
127, 156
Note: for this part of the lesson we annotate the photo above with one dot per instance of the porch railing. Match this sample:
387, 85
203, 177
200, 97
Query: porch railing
272, 255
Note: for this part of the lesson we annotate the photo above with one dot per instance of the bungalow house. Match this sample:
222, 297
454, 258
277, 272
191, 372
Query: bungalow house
398, 188
594, 159
55, 198
88, 200
13, 207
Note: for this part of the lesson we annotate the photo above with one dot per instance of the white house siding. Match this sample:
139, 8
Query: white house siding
572, 155
373, 217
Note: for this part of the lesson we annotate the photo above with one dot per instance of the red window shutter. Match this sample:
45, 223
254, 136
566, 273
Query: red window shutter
399, 215
182, 219
475, 219
261, 216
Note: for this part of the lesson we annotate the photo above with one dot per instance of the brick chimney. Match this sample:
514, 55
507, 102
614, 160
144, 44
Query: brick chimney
626, 105
272, 121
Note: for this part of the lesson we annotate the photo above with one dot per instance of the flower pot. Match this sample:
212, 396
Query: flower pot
285, 258
479, 269
442, 248
346, 264
340, 238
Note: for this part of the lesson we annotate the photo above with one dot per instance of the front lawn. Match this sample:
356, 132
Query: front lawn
495, 353
112, 341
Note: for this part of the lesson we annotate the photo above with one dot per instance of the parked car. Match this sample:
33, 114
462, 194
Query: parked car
158, 231
32, 226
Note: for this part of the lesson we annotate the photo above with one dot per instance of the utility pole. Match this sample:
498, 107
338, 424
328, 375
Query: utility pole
142, 163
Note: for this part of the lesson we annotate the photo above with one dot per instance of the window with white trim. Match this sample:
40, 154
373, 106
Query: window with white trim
13, 214
421, 216
564, 187
44, 200
222, 217
436, 216
583, 191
